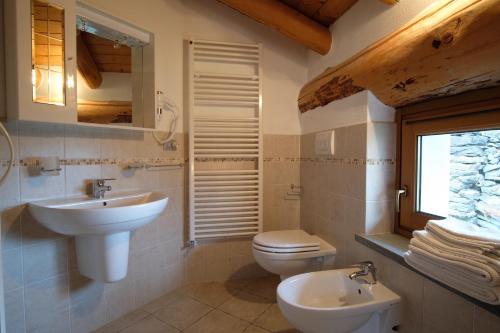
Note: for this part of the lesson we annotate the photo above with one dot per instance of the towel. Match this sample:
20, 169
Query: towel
466, 235
468, 269
441, 273
455, 252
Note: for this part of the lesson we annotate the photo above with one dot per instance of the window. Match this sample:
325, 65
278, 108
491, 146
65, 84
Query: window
449, 161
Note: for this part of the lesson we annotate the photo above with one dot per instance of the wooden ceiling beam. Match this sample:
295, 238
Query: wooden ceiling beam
451, 47
86, 64
287, 21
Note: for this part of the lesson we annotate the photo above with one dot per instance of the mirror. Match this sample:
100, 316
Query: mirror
110, 76
47, 53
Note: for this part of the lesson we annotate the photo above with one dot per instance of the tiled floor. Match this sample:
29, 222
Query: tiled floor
246, 306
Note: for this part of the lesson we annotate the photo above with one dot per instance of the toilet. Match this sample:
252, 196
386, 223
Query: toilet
292, 252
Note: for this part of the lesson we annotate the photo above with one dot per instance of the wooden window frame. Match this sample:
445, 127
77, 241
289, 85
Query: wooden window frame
468, 111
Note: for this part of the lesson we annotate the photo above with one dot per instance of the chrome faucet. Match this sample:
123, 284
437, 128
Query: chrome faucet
99, 187
367, 267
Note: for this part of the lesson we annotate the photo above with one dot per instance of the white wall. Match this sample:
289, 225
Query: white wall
172, 21
365, 23
114, 87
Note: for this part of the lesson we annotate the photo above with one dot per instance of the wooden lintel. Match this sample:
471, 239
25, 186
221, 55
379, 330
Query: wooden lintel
451, 47
86, 64
104, 112
390, 2
287, 21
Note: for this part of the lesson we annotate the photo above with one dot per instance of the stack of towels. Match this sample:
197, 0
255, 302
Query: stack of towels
461, 255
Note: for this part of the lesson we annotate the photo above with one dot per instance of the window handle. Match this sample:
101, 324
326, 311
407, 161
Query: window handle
401, 192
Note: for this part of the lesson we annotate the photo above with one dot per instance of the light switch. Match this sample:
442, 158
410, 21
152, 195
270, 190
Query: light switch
325, 143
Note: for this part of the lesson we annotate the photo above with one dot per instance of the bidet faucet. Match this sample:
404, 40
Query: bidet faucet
367, 267
99, 187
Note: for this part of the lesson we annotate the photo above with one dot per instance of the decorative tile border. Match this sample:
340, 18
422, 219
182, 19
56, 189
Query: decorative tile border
33, 162
349, 161
157, 161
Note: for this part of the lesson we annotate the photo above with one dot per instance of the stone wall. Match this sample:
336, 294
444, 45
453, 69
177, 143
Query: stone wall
475, 178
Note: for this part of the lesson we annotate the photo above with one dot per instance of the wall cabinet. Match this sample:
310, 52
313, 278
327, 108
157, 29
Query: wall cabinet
40, 51
69, 63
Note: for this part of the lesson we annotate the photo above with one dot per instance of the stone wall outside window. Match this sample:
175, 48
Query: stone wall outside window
475, 178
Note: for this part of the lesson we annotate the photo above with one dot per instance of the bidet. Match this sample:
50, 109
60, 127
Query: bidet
330, 302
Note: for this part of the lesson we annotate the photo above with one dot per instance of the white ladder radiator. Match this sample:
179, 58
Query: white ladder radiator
225, 140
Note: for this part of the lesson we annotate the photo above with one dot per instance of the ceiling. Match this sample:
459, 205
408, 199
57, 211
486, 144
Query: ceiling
324, 12
107, 57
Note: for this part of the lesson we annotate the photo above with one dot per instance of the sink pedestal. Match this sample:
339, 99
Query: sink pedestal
103, 257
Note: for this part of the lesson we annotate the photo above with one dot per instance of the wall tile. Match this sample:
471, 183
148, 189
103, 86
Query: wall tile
37, 186
11, 226
33, 232
380, 182
79, 177
87, 315
39, 140
45, 260
12, 269
14, 311
82, 142
381, 141
409, 286
485, 322
445, 311
47, 305
379, 217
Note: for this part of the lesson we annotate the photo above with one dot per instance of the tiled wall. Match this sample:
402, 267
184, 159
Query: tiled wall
352, 193
44, 291
281, 170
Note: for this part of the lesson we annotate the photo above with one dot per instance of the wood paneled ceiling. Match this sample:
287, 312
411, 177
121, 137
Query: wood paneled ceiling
107, 55
325, 12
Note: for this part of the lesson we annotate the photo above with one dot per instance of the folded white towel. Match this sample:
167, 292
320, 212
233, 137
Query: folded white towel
441, 273
456, 252
474, 271
466, 234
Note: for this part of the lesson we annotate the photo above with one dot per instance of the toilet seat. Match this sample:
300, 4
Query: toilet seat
287, 241
285, 250
291, 252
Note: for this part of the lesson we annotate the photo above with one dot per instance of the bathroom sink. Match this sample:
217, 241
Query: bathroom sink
84, 215
101, 227
330, 302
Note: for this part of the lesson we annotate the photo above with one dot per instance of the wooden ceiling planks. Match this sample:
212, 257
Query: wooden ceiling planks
325, 12
107, 57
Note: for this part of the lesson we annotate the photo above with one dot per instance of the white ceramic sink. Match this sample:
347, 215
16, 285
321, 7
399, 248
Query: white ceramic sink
83, 215
330, 302
102, 227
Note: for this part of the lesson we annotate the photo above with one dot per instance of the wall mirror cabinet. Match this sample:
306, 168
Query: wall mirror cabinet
70, 63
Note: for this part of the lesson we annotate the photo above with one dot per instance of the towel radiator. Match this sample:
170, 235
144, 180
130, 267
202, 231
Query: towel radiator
225, 140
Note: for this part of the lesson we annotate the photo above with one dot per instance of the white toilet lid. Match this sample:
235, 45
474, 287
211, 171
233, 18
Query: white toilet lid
286, 239
286, 250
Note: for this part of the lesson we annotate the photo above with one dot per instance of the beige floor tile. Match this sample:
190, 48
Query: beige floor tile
254, 329
183, 312
246, 306
264, 287
123, 322
163, 301
213, 293
150, 325
274, 321
218, 322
